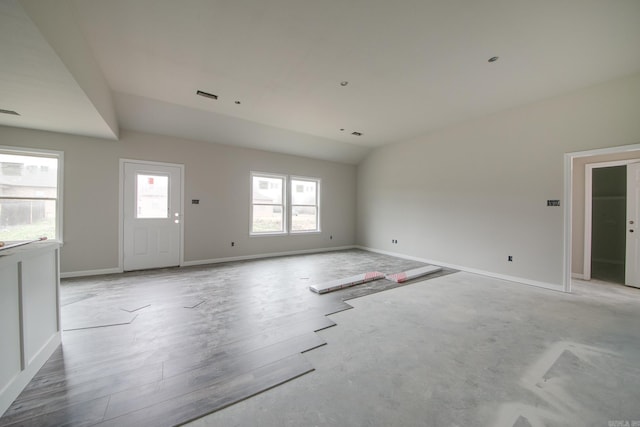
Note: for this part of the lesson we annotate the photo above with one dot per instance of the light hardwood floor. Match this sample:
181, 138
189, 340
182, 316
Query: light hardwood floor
164, 347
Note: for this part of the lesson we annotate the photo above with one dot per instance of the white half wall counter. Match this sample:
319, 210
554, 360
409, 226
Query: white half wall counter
29, 314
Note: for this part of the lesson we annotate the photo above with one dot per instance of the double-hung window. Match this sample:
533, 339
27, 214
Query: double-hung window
30, 189
268, 194
305, 204
281, 204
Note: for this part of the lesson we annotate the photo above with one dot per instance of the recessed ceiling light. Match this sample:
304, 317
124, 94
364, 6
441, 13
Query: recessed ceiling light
206, 94
356, 133
13, 113
344, 83
493, 58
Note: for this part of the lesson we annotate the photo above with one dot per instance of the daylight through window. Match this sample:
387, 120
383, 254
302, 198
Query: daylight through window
29, 195
282, 204
304, 205
267, 210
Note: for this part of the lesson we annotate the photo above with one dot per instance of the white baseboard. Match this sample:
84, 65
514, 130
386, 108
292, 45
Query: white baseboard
116, 270
267, 255
90, 272
577, 276
500, 276
516, 279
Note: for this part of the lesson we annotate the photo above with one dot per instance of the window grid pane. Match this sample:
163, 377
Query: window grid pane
303, 192
268, 219
304, 218
27, 219
267, 190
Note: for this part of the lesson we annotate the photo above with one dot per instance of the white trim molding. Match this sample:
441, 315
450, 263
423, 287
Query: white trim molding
117, 270
521, 280
87, 273
266, 255
568, 197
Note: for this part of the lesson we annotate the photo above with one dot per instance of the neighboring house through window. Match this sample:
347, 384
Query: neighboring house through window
305, 205
268, 194
30, 202
282, 204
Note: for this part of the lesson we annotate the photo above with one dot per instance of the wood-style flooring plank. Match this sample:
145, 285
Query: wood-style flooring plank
87, 413
217, 396
216, 371
86, 387
203, 338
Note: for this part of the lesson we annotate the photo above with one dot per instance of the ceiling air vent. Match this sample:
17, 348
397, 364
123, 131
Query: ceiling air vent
356, 133
13, 113
206, 94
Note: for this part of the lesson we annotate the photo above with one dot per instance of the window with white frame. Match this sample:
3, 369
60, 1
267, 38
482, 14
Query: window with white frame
268, 198
305, 205
282, 204
30, 205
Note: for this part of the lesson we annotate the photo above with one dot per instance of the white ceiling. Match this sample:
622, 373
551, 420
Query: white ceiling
35, 83
412, 65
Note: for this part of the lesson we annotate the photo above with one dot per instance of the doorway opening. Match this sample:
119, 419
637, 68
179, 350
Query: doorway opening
605, 223
577, 221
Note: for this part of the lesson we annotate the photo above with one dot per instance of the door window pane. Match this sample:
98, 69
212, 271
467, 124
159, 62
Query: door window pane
152, 200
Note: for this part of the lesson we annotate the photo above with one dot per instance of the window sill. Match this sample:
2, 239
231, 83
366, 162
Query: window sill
267, 234
292, 233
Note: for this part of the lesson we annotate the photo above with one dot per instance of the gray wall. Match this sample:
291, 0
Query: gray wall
471, 194
218, 175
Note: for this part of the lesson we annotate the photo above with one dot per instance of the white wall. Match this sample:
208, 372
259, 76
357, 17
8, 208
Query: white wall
218, 175
474, 193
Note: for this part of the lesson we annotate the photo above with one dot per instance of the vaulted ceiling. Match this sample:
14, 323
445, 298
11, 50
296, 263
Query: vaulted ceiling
300, 76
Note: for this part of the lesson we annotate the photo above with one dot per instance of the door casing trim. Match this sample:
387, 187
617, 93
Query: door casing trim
121, 207
568, 197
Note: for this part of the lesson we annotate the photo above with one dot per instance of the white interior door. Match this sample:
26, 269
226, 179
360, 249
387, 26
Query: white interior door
152, 215
632, 262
